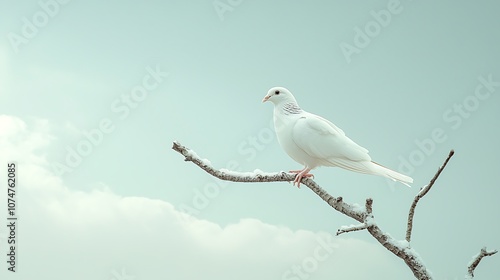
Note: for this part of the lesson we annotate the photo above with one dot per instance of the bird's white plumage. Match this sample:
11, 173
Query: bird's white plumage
314, 141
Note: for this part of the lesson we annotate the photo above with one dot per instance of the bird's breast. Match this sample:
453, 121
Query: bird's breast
284, 125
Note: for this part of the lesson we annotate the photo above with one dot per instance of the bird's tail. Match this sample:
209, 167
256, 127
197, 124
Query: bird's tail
391, 174
370, 167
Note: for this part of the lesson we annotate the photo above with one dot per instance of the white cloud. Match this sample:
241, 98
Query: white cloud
16, 141
64, 233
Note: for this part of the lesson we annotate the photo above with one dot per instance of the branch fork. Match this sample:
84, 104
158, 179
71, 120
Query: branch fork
368, 220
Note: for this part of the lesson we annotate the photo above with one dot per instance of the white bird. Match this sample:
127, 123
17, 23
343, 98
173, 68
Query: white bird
314, 141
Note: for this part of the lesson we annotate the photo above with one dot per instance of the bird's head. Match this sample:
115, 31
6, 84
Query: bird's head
279, 95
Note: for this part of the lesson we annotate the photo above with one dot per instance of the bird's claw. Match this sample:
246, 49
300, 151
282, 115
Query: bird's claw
301, 174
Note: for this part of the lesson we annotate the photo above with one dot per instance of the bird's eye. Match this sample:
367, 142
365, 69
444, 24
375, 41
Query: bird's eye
277, 92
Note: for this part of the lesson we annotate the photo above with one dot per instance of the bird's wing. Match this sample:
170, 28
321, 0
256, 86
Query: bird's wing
321, 139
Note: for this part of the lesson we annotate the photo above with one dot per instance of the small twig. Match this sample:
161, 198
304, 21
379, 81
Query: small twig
369, 206
476, 260
421, 194
351, 228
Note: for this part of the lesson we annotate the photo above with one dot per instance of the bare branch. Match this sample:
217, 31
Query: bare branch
232, 175
364, 216
252, 177
421, 194
476, 260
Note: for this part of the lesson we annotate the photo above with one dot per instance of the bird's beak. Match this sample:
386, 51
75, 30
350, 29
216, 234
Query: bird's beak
265, 98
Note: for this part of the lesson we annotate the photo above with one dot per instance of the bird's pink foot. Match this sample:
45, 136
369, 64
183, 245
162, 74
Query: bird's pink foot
301, 174
304, 175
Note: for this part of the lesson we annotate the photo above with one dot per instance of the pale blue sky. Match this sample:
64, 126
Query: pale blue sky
417, 76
